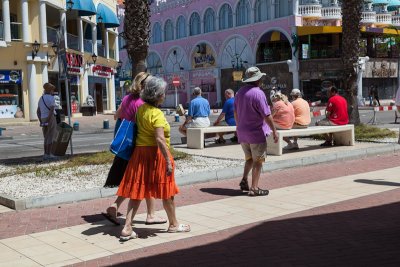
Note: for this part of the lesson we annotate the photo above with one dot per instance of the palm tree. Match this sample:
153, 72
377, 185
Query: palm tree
136, 32
351, 18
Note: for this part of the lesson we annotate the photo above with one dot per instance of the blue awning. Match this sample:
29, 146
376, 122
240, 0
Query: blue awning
84, 7
393, 5
109, 18
380, 2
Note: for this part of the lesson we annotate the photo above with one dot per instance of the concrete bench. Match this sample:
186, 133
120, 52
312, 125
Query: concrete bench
195, 136
342, 135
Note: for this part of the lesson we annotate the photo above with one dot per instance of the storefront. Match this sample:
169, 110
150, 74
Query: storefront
11, 102
181, 89
98, 86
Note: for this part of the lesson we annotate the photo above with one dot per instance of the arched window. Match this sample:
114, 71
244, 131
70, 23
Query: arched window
261, 12
243, 13
154, 65
283, 8
225, 17
156, 33
168, 31
181, 27
209, 20
195, 24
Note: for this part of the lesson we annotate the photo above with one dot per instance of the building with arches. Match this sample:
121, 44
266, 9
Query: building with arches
84, 29
296, 42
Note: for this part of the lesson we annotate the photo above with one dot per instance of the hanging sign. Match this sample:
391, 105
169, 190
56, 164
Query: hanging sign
102, 71
10, 76
74, 63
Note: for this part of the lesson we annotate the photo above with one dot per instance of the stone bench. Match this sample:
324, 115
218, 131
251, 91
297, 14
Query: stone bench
195, 136
342, 135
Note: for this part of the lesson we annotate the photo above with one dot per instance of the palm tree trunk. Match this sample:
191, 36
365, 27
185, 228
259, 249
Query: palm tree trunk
136, 33
351, 17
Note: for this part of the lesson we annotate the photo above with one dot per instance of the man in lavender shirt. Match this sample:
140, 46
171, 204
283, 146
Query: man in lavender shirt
253, 124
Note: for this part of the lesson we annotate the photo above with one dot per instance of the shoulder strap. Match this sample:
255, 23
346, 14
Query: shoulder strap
44, 102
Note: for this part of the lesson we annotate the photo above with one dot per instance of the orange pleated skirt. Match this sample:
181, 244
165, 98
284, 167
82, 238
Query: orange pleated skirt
146, 175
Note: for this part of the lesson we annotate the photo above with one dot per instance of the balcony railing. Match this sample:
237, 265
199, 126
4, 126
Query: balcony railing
73, 42
111, 53
368, 17
332, 12
310, 11
101, 50
396, 20
1, 31
384, 18
51, 35
16, 31
88, 45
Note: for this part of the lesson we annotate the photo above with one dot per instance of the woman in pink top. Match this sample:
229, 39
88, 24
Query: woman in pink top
127, 110
282, 112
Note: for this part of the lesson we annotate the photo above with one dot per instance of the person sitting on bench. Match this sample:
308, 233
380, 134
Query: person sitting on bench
227, 112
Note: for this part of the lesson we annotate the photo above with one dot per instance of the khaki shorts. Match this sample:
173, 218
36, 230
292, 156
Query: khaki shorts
299, 126
325, 122
257, 152
49, 131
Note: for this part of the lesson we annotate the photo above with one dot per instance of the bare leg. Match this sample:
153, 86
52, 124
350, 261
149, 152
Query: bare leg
255, 174
247, 167
169, 206
133, 206
295, 140
287, 140
182, 130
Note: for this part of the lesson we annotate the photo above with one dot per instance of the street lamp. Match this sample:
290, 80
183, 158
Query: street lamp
70, 4
35, 49
237, 66
94, 58
100, 19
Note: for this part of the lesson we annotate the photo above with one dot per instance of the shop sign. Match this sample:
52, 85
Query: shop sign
203, 56
102, 71
74, 63
10, 76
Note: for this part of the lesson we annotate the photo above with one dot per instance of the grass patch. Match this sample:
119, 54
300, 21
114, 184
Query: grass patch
366, 133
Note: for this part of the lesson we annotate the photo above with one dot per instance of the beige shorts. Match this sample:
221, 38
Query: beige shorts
299, 126
325, 122
49, 131
257, 152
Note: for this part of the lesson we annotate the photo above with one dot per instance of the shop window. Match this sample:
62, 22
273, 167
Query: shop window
156, 33
243, 13
195, 24
225, 17
209, 20
261, 11
283, 8
154, 65
181, 27
11, 104
168, 30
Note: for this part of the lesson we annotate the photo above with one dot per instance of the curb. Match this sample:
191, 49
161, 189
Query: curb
194, 178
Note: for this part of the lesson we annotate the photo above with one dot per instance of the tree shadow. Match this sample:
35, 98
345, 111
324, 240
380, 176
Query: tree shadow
223, 191
376, 182
364, 237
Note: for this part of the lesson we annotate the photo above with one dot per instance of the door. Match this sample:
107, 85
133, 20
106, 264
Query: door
99, 97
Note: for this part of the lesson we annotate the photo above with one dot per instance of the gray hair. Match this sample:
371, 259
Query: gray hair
153, 90
230, 91
197, 91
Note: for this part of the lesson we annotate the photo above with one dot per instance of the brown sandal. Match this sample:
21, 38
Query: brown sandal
255, 192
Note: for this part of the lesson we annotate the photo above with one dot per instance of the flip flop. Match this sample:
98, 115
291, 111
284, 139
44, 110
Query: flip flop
182, 228
156, 221
123, 238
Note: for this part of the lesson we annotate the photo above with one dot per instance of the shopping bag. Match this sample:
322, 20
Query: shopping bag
124, 140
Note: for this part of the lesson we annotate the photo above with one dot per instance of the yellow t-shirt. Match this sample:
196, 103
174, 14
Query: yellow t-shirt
148, 118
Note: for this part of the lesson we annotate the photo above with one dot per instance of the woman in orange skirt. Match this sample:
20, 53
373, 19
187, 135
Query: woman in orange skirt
150, 171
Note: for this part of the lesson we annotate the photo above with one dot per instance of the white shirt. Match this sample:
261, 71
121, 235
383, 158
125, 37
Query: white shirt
398, 97
50, 102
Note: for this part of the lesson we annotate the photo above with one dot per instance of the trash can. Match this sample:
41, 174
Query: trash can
61, 140
76, 126
106, 124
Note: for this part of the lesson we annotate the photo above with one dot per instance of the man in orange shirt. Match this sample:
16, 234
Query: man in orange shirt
336, 114
302, 117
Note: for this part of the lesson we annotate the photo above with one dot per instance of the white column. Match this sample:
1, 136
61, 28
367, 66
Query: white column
111, 93
43, 23
63, 23
252, 17
218, 85
80, 34
117, 47
45, 74
26, 36
85, 86
6, 21
107, 45
295, 7
94, 38
33, 94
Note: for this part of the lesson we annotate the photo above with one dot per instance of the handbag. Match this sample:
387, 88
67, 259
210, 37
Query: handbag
124, 140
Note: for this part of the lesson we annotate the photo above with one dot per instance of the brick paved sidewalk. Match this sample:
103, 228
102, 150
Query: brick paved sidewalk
334, 228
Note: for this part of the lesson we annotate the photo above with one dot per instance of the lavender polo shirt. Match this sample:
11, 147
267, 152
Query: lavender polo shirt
251, 108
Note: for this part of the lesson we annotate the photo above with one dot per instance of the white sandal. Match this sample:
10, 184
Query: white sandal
182, 228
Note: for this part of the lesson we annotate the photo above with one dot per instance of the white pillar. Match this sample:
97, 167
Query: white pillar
107, 45
80, 34
252, 16
85, 86
117, 47
111, 93
6, 21
63, 23
43, 23
218, 85
26, 36
45, 74
94, 38
33, 94
295, 7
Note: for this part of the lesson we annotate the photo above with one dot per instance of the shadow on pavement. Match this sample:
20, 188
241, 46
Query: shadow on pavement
364, 237
222, 191
376, 182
